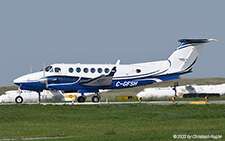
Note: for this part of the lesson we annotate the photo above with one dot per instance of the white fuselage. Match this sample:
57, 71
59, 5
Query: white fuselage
89, 78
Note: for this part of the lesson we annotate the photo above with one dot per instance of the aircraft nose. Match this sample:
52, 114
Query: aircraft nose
19, 80
33, 77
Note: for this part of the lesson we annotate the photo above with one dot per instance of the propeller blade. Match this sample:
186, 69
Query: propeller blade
44, 70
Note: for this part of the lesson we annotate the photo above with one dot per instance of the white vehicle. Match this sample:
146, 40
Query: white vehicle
200, 90
89, 78
159, 92
183, 91
20, 96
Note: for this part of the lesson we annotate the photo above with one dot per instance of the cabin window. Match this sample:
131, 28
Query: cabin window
85, 70
48, 68
78, 70
106, 70
57, 69
71, 70
93, 70
99, 70
138, 70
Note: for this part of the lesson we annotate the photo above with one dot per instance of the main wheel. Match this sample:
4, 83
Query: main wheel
81, 99
19, 99
95, 99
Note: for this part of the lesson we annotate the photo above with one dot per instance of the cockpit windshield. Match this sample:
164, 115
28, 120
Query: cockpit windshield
48, 68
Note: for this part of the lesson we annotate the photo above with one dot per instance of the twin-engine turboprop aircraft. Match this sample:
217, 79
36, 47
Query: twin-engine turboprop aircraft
89, 78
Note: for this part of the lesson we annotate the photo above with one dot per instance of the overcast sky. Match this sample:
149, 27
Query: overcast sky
33, 32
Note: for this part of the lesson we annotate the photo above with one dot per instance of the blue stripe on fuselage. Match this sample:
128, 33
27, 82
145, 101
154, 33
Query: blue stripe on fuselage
116, 84
140, 82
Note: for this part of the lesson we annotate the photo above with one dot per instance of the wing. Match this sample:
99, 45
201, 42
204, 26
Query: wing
103, 80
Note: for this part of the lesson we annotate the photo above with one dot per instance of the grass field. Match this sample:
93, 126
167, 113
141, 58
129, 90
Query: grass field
111, 122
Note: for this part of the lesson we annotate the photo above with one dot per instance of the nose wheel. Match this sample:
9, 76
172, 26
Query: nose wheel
19, 99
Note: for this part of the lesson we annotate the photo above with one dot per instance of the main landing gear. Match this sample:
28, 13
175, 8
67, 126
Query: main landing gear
95, 98
81, 98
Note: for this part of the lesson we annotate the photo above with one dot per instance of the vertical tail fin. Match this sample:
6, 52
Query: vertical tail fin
185, 56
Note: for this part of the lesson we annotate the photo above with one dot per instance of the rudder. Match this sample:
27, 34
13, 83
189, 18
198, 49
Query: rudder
185, 56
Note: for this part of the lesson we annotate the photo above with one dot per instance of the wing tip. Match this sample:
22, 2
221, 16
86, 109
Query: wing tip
212, 40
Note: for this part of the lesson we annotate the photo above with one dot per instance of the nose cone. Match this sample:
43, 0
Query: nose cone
20, 80
30, 82
33, 77
17, 81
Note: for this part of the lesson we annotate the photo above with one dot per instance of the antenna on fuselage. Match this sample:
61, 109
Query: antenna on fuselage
43, 69
117, 62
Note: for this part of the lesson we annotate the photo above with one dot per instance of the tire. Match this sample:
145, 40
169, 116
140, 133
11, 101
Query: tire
81, 99
95, 99
19, 99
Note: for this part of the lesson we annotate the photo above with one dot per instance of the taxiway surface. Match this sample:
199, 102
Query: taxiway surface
143, 102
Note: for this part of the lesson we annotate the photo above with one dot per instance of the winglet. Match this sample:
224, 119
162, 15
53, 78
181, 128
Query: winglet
212, 40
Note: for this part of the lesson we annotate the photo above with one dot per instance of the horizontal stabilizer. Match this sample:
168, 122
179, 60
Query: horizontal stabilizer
197, 40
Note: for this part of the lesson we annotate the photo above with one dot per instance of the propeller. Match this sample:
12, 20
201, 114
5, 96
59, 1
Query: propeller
44, 80
43, 70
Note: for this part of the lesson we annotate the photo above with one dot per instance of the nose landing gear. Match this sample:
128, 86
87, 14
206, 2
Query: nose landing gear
19, 99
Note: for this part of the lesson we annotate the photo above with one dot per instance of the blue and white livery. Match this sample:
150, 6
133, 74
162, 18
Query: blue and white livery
89, 78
